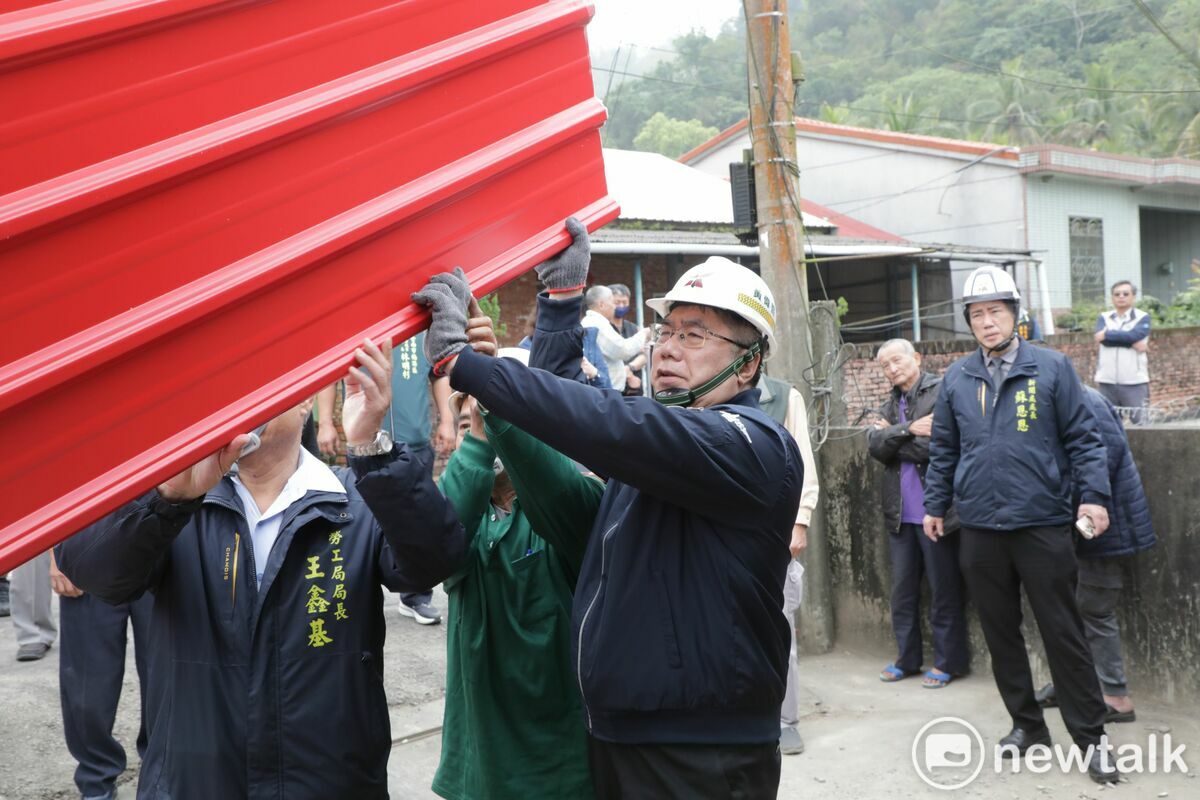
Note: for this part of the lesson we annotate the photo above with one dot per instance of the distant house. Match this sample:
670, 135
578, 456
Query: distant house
674, 216
1090, 218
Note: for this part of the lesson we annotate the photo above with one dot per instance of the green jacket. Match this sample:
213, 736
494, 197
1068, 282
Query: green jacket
513, 726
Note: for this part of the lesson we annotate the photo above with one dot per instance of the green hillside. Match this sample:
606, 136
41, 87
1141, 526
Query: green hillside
1114, 75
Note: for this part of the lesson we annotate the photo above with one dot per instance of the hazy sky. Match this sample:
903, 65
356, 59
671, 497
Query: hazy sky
655, 22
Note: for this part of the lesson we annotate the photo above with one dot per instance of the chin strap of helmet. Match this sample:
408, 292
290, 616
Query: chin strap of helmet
687, 397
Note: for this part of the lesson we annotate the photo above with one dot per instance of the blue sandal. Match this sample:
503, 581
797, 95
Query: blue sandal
891, 673
936, 679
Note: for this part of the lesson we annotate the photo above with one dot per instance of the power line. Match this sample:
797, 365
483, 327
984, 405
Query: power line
828, 164
716, 86
934, 117
1070, 87
1189, 55
957, 227
918, 188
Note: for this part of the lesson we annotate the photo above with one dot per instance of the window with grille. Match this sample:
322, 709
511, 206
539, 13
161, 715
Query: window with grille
1087, 260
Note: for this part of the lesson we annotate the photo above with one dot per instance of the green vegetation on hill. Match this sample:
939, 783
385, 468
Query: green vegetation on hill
1087, 73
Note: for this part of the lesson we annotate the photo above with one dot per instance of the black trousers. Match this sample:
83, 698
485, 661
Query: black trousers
91, 667
914, 554
996, 564
684, 771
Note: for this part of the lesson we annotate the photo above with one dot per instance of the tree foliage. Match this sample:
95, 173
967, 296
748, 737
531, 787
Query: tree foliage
672, 137
1086, 73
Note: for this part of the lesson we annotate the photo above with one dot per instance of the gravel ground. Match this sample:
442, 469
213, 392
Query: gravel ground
34, 762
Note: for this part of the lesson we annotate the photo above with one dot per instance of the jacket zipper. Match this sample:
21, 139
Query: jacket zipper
237, 546
583, 623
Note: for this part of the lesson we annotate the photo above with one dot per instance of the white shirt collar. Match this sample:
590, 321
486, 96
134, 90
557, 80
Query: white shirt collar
311, 475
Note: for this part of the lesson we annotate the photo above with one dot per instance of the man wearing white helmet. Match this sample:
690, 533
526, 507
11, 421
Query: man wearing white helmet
680, 647
1010, 429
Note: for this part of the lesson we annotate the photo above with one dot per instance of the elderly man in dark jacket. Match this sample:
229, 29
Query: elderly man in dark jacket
900, 441
1102, 563
266, 672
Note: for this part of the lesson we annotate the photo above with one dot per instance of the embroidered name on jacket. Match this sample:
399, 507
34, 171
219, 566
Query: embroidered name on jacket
1026, 401
330, 596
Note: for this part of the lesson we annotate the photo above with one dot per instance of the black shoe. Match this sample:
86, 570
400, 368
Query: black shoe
4, 607
1112, 715
1099, 771
1022, 740
1046, 696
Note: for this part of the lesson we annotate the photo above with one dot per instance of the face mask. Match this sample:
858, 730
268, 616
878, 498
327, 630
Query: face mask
620, 311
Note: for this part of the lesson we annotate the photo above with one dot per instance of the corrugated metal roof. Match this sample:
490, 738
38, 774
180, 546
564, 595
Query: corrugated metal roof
205, 205
652, 187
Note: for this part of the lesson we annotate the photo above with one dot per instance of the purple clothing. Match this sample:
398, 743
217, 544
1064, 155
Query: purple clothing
912, 494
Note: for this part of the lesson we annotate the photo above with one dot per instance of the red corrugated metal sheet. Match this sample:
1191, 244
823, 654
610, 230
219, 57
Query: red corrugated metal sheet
204, 206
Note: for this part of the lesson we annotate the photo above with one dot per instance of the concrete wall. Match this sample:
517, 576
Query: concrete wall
1160, 614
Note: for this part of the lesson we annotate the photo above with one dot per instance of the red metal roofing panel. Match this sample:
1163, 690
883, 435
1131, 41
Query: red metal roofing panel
205, 205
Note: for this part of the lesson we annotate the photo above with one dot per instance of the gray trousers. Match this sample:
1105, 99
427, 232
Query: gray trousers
1097, 594
1134, 396
789, 712
29, 596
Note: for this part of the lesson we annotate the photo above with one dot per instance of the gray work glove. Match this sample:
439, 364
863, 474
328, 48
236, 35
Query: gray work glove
568, 270
448, 296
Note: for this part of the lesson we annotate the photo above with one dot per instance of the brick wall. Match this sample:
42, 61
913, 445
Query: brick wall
1174, 365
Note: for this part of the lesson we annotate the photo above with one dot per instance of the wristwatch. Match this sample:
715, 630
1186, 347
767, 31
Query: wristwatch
381, 444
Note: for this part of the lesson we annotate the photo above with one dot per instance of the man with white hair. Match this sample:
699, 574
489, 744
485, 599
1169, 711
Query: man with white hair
617, 350
900, 441
681, 684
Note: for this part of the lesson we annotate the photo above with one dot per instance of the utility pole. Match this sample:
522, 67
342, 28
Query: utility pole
781, 262
777, 189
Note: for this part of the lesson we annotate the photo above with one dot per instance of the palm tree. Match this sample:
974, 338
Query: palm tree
904, 114
1008, 115
1189, 140
1099, 119
837, 116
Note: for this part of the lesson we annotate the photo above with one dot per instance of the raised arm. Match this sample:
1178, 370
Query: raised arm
560, 501
426, 543
124, 554
734, 463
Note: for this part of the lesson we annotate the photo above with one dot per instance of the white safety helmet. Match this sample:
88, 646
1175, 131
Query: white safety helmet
721, 283
990, 283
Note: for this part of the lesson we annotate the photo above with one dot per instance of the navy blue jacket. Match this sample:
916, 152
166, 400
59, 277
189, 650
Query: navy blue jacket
678, 631
240, 702
1007, 458
1129, 527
